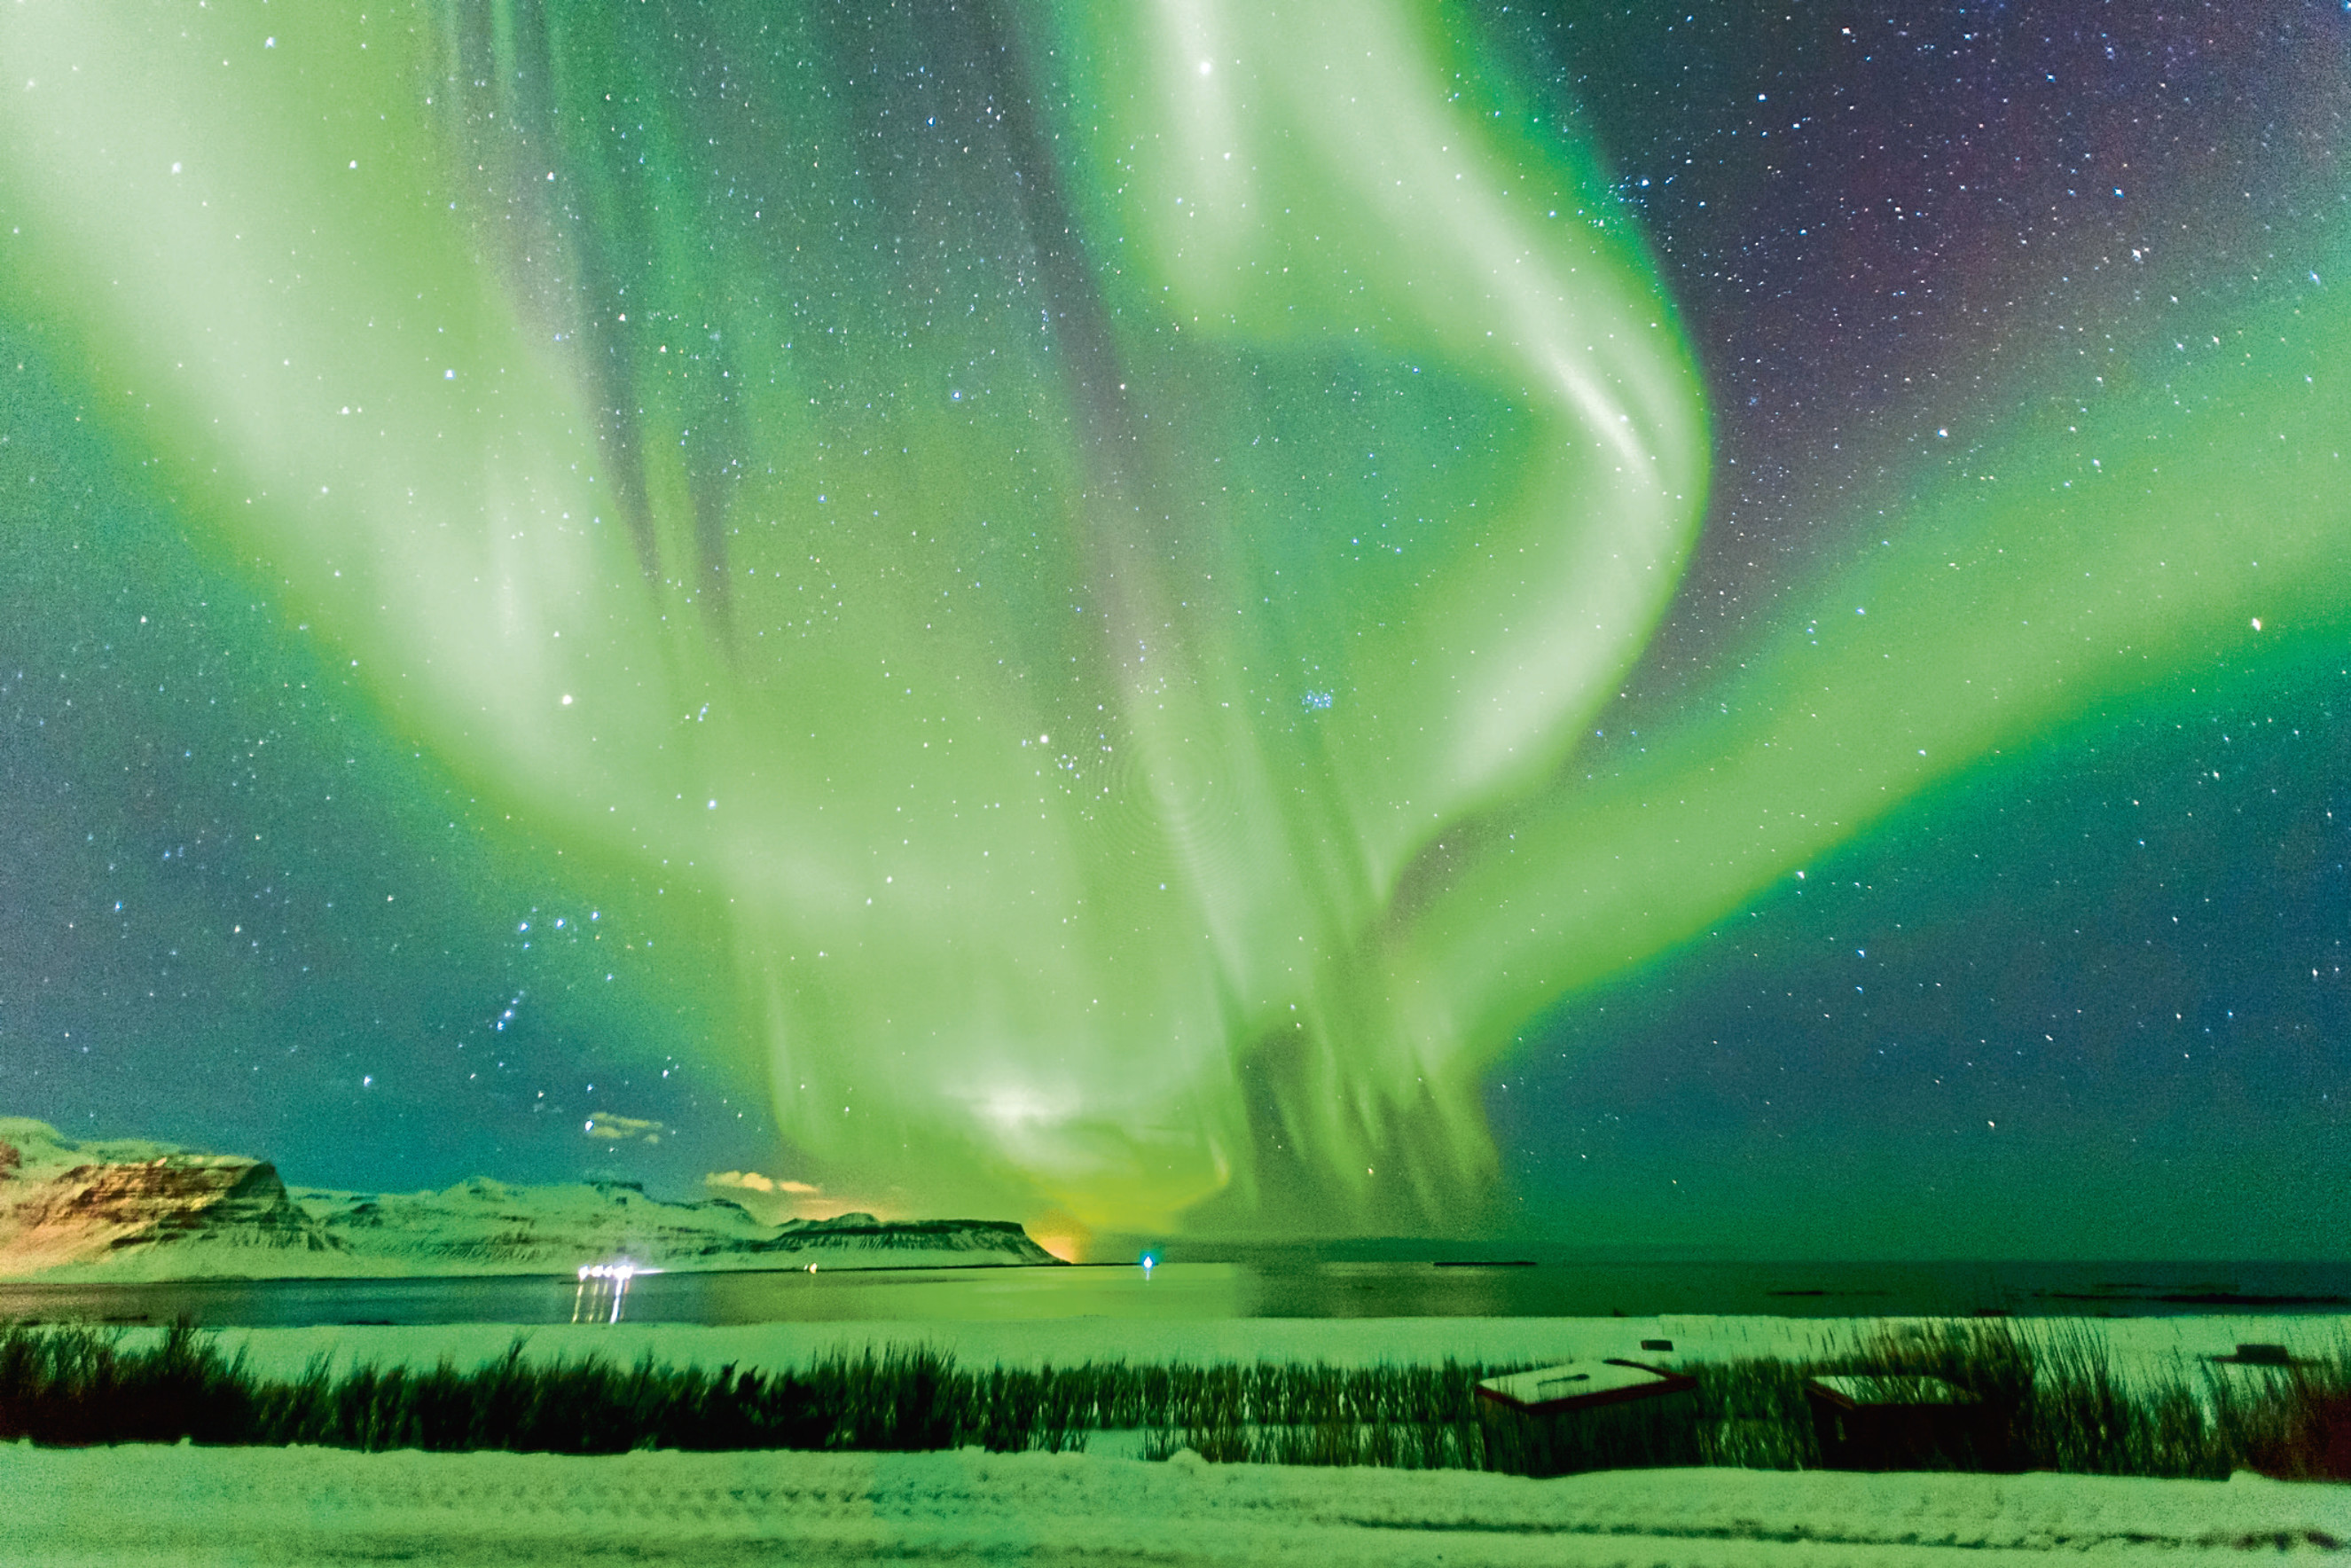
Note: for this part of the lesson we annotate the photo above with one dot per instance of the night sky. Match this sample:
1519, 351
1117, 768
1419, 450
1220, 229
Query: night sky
1713, 632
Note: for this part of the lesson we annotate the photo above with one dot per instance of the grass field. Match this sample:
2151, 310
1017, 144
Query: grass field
2042, 1402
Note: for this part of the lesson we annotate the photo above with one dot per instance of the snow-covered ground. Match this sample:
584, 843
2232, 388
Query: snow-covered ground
190, 1508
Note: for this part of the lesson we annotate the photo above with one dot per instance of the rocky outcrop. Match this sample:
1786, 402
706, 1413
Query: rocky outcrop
176, 1214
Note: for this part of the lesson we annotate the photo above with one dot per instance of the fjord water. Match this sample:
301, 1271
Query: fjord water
1268, 1284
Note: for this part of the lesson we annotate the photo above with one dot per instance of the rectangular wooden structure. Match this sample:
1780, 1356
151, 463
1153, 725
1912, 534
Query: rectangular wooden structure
1589, 1416
1895, 1422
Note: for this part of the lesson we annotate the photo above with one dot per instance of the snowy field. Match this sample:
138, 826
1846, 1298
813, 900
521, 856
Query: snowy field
132, 1507
181, 1505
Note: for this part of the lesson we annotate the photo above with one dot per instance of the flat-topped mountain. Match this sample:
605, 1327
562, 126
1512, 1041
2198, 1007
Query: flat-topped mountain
134, 1210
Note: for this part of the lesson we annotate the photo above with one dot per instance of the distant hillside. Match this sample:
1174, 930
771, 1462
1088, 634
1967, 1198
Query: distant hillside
131, 1211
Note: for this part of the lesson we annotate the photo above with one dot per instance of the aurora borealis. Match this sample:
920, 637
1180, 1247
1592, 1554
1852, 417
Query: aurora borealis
1294, 619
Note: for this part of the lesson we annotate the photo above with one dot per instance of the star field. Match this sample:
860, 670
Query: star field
1720, 632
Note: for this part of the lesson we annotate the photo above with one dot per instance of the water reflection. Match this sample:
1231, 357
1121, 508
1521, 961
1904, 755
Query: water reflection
1269, 1287
600, 1283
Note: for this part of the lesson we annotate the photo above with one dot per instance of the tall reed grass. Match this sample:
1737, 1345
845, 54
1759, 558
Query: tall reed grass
2048, 1400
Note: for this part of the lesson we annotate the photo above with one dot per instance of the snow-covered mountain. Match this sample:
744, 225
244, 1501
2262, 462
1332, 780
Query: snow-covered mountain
484, 1226
130, 1210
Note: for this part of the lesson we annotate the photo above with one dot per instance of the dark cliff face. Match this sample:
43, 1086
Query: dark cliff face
178, 1200
944, 1236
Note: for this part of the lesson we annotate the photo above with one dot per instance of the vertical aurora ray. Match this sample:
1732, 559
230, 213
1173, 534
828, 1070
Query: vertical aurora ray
1040, 554
1083, 539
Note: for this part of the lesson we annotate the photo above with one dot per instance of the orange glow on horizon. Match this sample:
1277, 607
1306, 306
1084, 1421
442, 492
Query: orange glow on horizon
773, 1200
1060, 1233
